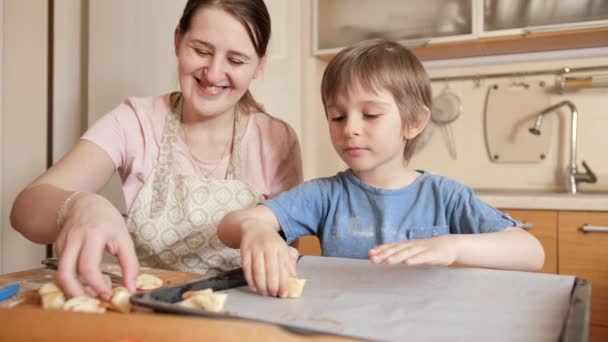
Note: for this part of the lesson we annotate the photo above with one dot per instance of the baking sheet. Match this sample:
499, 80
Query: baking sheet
394, 302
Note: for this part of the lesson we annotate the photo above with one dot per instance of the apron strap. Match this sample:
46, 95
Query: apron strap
164, 171
234, 165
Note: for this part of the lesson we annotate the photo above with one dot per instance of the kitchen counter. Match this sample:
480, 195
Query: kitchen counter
23, 319
544, 199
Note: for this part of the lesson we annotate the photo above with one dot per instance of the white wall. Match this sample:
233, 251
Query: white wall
69, 74
24, 111
279, 88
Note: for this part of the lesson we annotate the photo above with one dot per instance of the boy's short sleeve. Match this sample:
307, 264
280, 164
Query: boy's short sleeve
470, 215
289, 169
300, 211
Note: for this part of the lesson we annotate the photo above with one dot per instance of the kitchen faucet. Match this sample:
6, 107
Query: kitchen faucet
574, 177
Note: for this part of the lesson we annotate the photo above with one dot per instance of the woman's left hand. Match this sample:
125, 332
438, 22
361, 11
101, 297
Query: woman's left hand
441, 250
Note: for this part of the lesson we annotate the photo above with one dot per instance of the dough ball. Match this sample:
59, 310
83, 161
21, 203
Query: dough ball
53, 301
120, 300
148, 282
84, 304
295, 287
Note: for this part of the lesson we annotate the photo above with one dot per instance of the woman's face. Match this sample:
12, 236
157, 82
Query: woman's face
216, 60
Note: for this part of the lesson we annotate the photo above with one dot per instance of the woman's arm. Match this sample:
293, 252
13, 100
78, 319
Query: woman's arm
89, 223
86, 168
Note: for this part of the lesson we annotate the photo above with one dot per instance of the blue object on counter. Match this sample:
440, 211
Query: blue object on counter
8, 291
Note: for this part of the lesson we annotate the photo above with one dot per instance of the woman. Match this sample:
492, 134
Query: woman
185, 159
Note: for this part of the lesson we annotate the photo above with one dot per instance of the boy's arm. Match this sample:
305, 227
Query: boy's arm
511, 249
267, 260
231, 227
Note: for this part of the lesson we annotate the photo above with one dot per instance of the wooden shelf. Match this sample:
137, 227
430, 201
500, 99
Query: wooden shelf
532, 42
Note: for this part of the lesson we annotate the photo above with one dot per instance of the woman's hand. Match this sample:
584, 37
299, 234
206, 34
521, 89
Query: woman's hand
90, 225
268, 261
441, 250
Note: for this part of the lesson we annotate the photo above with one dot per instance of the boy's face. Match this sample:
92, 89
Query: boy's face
366, 130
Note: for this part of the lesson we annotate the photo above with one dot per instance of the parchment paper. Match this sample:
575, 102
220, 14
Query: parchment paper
398, 303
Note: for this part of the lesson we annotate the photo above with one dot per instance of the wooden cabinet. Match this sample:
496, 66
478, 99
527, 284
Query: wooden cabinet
543, 225
586, 256
309, 245
598, 333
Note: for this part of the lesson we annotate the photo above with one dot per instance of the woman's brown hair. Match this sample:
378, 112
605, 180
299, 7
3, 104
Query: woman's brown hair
254, 16
377, 64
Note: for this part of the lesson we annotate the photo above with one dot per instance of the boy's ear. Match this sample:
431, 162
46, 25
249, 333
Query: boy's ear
414, 128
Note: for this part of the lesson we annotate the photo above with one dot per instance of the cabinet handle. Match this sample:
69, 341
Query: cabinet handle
587, 228
527, 225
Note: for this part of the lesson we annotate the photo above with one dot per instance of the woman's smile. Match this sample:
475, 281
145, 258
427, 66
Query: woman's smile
209, 90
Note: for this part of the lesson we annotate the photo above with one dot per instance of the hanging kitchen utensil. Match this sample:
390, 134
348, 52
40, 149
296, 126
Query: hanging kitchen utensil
446, 109
511, 108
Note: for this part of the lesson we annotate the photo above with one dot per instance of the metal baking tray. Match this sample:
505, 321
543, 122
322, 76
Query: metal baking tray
164, 300
575, 326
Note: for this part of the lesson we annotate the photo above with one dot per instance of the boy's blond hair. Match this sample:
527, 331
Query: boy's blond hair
381, 64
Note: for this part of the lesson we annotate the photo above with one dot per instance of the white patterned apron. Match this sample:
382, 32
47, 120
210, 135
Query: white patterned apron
173, 220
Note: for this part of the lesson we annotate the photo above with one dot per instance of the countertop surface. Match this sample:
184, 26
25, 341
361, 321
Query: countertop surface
545, 199
21, 313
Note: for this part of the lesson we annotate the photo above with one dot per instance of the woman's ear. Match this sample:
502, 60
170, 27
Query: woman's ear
414, 128
177, 37
260, 67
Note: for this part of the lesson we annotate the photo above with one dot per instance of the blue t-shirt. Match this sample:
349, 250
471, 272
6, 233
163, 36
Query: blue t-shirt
350, 217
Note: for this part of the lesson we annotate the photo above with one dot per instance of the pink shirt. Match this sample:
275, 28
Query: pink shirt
131, 135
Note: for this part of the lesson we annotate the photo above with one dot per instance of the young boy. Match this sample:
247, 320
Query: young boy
377, 100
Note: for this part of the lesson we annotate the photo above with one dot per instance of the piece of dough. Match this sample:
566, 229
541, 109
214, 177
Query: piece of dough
120, 300
295, 287
148, 282
204, 299
189, 294
84, 304
48, 288
53, 301
51, 296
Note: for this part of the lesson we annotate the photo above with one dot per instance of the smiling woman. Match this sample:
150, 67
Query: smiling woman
185, 159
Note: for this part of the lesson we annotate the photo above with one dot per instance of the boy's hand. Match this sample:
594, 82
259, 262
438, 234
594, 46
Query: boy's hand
268, 261
441, 250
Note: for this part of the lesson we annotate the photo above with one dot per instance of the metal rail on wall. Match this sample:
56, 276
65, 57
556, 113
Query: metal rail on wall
564, 82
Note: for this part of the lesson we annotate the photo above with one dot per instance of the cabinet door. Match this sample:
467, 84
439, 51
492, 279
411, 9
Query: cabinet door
543, 225
586, 256
598, 333
309, 245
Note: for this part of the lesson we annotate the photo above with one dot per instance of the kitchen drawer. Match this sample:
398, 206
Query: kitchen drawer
543, 225
309, 245
598, 333
586, 256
